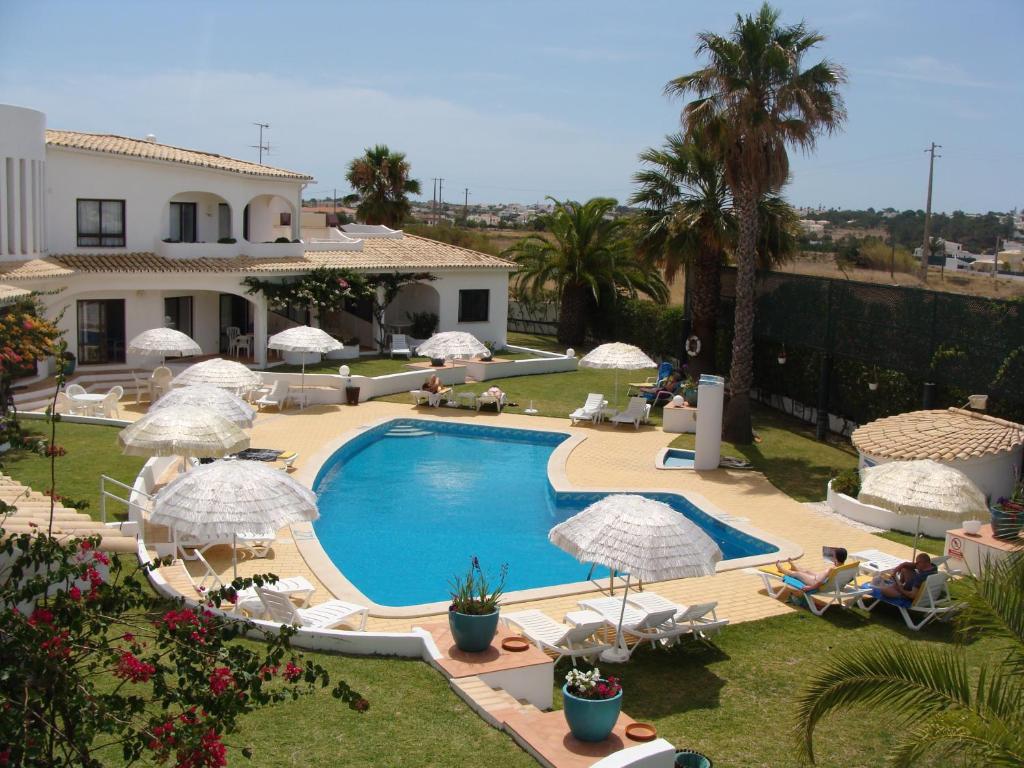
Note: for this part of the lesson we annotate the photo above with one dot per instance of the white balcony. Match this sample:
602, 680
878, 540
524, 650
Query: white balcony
197, 250
272, 250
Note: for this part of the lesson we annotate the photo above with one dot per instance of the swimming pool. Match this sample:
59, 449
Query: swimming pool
406, 504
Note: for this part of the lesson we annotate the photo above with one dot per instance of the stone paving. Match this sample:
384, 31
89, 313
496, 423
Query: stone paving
609, 458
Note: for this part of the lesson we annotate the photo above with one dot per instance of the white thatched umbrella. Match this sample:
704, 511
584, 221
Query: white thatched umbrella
206, 396
226, 374
452, 345
641, 537
620, 357
163, 342
303, 338
923, 488
182, 430
225, 498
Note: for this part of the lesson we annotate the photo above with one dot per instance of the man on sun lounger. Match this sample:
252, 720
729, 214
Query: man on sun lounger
907, 578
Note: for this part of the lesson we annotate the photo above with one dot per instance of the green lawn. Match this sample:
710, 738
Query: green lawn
91, 451
788, 454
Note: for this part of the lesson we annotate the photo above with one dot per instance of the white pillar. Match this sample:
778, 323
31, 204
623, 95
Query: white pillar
710, 401
259, 330
4, 198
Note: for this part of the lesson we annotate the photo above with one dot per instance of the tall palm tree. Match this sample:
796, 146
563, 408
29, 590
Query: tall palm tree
381, 182
941, 709
687, 217
587, 259
752, 100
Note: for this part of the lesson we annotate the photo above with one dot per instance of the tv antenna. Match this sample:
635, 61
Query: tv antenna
261, 146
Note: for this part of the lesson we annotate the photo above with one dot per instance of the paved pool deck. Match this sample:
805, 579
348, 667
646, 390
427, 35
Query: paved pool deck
607, 458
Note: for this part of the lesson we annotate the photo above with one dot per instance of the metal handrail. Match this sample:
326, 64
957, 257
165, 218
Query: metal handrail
104, 494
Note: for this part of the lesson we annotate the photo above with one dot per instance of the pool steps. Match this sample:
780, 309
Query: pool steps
407, 430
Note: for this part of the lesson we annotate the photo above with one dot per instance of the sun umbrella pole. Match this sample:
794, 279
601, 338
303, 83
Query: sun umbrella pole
234, 556
917, 535
620, 653
302, 383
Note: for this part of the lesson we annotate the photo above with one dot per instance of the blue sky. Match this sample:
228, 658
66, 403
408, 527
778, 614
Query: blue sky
521, 100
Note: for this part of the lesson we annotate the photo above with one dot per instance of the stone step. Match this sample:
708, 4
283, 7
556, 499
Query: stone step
492, 704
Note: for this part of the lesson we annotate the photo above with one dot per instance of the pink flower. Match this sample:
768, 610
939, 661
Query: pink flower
220, 680
292, 672
75, 594
131, 668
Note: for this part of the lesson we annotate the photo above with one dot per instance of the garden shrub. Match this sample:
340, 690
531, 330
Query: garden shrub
847, 482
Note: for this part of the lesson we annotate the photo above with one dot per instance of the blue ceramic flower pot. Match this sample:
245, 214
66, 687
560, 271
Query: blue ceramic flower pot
473, 634
590, 719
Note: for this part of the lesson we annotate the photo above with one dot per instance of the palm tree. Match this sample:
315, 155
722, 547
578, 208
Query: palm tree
752, 100
587, 260
943, 711
687, 217
381, 182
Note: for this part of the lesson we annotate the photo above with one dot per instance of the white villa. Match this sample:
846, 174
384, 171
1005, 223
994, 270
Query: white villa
126, 234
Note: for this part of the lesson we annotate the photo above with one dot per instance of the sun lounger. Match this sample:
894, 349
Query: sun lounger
590, 410
499, 401
653, 626
323, 616
839, 588
277, 396
702, 617
248, 600
257, 543
636, 413
399, 345
559, 639
932, 602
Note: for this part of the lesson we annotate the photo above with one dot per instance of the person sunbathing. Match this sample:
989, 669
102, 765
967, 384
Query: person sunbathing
907, 578
435, 386
809, 581
666, 389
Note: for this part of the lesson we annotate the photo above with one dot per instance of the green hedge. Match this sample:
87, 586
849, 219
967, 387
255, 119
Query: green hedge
655, 328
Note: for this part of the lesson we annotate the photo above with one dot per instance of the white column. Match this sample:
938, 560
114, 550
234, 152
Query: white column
259, 329
4, 221
710, 401
14, 197
30, 207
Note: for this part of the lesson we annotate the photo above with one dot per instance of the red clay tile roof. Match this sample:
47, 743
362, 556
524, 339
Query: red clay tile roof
150, 150
941, 435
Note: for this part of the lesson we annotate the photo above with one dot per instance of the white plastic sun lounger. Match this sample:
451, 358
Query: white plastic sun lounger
840, 588
702, 617
323, 616
257, 543
277, 396
932, 602
399, 346
590, 410
636, 413
248, 600
654, 626
559, 639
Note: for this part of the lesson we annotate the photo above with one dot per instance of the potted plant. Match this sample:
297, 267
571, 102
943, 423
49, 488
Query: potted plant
690, 392
473, 614
69, 362
591, 704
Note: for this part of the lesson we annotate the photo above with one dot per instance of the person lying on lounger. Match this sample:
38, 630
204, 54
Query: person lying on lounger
435, 386
907, 578
808, 581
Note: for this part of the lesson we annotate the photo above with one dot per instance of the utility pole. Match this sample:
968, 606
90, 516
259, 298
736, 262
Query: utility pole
334, 201
926, 249
465, 208
433, 205
440, 199
995, 260
261, 146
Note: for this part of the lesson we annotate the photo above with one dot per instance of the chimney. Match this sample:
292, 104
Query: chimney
151, 138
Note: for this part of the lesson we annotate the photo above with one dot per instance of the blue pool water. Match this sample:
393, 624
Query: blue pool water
404, 506
679, 458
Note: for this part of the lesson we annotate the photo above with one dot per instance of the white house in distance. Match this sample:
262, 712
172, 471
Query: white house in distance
126, 234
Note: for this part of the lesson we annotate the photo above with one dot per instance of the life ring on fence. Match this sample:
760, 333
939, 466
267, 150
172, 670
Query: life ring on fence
693, 346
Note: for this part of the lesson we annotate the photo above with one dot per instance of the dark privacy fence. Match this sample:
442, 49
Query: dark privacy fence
839, 337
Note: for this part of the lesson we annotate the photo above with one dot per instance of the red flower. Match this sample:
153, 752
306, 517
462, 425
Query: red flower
75, 594
133, 669
40, 616
221, 680
292, 672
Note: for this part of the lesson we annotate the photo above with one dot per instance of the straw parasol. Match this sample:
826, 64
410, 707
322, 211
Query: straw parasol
211, 398
163, 342
452, 345
617, 355
182, 430
225, 498
641, 537
226, 374
923, 487
303, 338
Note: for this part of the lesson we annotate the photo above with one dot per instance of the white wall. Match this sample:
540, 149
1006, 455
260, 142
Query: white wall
147, 187
449, 284
22, 181
207, 215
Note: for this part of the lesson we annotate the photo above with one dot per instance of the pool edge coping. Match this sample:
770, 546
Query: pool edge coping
320, 563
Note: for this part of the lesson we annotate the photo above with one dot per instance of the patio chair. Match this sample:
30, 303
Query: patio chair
651, 381
399, 346
652, 626
499, 400
323, 616
839, 588
108, 406
277, 396
65, 404
636, 413
932, 602
702, 617
590, 410
141, 385
74, 390
558, 639
247, 599
160, 381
